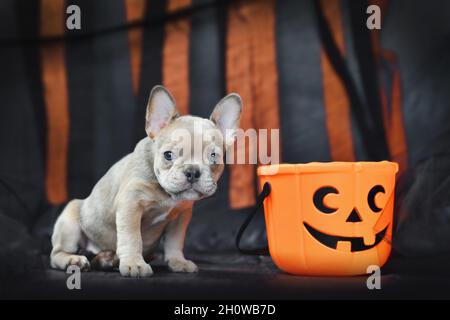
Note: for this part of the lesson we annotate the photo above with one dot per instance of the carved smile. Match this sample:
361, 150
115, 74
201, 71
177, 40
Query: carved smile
332, 241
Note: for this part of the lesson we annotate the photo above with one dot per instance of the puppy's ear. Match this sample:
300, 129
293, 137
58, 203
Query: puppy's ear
226, 116
160, 110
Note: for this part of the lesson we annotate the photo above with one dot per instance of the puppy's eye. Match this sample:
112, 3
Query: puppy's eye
213, 155
168, 155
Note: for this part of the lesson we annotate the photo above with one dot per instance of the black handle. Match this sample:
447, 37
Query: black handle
259, 203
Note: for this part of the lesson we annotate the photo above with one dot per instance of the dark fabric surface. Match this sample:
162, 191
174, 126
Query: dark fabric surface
232, 276
301, 101
422, 50
423, 211
224, 274
107, 120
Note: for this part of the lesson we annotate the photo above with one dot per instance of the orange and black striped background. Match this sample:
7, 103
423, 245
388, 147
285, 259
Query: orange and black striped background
74, 100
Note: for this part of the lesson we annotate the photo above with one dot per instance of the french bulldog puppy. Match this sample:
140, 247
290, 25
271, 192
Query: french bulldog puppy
148, 194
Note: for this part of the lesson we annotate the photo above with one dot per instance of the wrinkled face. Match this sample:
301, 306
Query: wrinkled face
188, 158
188, 151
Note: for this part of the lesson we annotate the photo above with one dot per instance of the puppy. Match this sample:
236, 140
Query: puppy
148, 195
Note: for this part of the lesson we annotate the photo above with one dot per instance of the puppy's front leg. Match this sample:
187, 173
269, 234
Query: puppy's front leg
174, 240
129, 242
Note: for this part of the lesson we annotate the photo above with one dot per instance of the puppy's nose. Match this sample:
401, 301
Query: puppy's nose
192, 173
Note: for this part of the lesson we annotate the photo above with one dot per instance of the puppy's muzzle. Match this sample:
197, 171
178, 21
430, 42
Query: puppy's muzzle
192, 173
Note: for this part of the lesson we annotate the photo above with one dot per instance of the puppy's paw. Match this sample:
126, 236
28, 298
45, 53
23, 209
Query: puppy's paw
135, 268
181, 265
81, 261
105, 261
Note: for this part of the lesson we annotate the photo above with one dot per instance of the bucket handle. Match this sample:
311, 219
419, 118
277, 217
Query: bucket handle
259, 203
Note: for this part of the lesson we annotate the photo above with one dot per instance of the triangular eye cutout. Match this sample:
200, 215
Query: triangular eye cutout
354, 216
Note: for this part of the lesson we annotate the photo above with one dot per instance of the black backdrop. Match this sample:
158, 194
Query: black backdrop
103, 128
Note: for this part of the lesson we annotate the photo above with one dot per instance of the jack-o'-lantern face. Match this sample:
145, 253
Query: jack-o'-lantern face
356, 243
346, 217
330, 218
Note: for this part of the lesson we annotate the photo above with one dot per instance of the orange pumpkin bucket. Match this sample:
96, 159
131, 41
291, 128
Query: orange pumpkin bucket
329, 218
